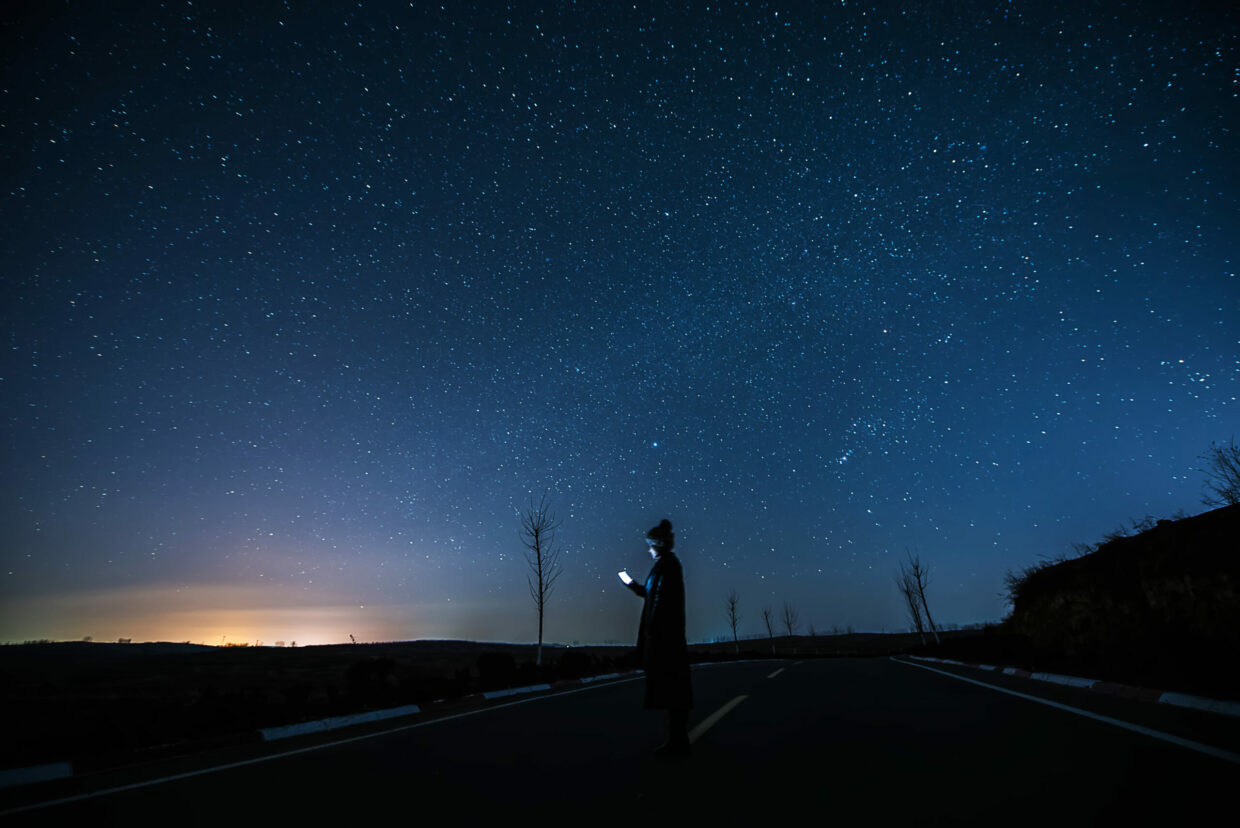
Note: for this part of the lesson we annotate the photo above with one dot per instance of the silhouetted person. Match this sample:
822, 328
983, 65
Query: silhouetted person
661, 647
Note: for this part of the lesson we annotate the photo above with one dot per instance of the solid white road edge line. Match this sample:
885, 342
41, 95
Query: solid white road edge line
1209, 750
710, 720
260, 759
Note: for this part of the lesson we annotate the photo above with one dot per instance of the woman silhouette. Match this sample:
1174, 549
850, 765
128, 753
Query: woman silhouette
661, 647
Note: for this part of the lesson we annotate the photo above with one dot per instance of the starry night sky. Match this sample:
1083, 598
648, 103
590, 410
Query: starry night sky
303, 302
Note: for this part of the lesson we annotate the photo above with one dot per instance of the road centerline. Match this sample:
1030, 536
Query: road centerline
777, 672
1209, 750
709, 722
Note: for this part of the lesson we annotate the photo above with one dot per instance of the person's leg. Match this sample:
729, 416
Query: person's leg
677, 743
678, 727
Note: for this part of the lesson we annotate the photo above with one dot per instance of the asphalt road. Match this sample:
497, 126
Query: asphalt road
851, 741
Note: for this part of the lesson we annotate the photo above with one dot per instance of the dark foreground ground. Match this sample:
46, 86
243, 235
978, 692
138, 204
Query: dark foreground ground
852, 741
104, 705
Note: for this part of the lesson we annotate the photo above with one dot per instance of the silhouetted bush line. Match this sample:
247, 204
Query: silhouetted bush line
843, 645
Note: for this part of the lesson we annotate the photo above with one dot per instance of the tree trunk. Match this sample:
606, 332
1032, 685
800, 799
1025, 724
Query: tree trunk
538, 659
930, 620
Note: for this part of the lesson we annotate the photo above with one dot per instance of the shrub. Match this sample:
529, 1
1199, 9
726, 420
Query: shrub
574, 664
496, 670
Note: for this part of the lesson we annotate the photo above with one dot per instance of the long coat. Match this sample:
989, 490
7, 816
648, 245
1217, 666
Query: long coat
661, 647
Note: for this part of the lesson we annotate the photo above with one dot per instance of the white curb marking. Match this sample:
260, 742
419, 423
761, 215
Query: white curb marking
499, 694
270, 734
35, 773
1071, 681
1227, 708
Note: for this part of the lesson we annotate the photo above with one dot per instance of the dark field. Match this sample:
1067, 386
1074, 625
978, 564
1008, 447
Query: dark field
98, 704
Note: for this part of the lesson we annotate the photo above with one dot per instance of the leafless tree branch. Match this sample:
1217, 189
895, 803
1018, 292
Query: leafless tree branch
768, 618
1222, 471
918, 578
542, 554
908, 588
791, 617
732, 603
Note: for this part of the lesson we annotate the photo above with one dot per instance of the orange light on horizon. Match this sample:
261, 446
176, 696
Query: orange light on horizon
212, 615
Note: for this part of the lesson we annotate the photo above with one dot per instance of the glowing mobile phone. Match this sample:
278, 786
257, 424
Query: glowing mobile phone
624, 576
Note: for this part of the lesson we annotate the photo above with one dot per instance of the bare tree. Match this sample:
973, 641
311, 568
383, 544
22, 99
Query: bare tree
768, 618
919, 578
732, 604
791, 617
908, 588
542, 553
1222, 471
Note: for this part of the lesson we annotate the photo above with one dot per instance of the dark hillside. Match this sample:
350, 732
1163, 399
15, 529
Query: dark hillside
1162, 602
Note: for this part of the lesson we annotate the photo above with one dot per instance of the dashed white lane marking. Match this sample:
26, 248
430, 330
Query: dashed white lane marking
1209, 750
777, 672
710, 720
260, 759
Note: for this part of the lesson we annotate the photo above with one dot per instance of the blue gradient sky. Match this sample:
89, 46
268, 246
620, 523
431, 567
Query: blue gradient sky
303, 305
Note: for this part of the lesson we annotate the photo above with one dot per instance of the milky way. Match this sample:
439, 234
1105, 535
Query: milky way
303, 305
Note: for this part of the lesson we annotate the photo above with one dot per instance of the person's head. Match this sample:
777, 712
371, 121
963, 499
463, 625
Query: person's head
661, 538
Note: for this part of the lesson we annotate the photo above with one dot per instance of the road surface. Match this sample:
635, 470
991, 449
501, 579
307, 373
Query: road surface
854, 741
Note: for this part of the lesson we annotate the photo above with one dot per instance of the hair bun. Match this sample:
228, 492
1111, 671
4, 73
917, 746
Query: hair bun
662, 536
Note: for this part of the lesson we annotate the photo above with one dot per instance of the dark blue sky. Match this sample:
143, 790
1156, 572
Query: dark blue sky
302, 304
